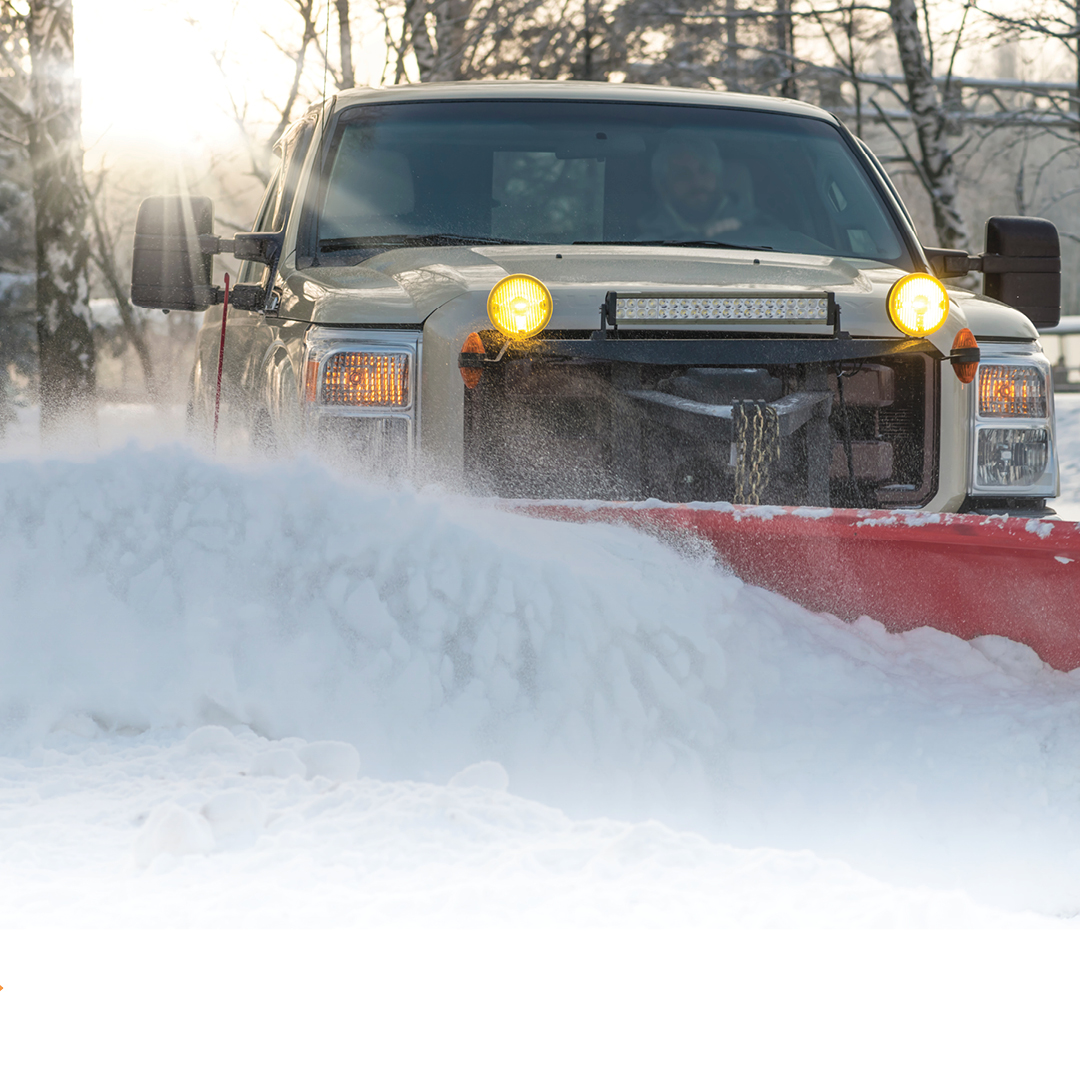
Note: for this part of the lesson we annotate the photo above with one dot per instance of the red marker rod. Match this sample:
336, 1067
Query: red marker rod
221, 359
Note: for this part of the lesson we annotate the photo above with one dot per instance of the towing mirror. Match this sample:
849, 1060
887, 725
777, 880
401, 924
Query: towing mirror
1021, 266
173, 262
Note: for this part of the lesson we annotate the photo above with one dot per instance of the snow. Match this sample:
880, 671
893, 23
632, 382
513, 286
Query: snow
246, 695
1067, 409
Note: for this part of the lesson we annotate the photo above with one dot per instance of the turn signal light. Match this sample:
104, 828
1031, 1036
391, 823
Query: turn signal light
354, 378
918, 305
1012, 390
519, 306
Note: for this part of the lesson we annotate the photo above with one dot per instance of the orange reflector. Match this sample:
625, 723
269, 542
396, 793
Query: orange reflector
311, 381
470, 376
965, 369
354, 378
965, 355
473, 344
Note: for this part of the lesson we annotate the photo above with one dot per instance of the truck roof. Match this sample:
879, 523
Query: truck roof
541, 89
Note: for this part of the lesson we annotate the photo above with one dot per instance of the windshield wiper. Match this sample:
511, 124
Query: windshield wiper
349, 243
674, 243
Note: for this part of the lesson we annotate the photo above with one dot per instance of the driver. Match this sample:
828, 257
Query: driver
688, 174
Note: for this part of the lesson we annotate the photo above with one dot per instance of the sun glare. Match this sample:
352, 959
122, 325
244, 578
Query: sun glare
149, 74
172, 74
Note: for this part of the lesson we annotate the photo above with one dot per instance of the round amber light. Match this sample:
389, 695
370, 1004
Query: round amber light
918, 305
519, 306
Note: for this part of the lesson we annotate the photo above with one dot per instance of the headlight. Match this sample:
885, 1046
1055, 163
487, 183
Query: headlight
918, 305
1013, 423
1011, 457
519, 306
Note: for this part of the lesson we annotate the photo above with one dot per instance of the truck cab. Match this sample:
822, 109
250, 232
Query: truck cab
589, 291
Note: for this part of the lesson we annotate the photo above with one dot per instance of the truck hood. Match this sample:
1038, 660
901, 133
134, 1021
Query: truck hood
406, 285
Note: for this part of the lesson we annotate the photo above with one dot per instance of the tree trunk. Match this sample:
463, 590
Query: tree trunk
348, 79
422, 47
450, 19
785, 46
938, 173
65, 341
731, 46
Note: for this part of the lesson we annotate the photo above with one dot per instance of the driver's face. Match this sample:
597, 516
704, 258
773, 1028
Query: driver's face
691, 185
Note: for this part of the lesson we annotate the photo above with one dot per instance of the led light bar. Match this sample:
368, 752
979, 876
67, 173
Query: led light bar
736, 309
1012, 390
362, 378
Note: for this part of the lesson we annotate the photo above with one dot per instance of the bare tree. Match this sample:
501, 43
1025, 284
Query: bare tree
1054, 22
935, 164
347, 78
257, 139
64, 328
17, 309
103, 254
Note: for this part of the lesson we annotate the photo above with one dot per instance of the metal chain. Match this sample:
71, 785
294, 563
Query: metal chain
757, 443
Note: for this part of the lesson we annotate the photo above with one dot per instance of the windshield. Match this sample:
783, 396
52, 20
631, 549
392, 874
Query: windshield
586, 172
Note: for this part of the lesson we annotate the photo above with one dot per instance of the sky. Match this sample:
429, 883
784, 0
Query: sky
149, 75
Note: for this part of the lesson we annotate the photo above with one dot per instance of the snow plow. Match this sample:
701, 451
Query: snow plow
965, 574
684, 310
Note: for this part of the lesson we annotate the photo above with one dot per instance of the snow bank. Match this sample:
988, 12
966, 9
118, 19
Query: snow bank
332, 630
190, 833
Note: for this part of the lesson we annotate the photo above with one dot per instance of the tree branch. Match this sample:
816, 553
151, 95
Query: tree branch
24, 114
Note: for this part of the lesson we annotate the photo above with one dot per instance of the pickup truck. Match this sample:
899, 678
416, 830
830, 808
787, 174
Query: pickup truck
576, 290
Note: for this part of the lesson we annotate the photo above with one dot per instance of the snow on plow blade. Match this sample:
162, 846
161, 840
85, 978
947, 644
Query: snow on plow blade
964, 574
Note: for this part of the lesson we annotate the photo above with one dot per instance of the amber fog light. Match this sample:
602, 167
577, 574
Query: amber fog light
519, 306
918, 305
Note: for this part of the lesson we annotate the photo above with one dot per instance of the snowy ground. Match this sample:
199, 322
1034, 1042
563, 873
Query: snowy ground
242, 695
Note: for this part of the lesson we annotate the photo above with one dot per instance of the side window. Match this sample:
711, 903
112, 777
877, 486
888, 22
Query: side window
280, 192
886, 179
252, 271
293, 155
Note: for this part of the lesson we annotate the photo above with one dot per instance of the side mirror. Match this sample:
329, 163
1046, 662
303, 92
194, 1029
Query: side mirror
1022, 267
173, 262
948, 262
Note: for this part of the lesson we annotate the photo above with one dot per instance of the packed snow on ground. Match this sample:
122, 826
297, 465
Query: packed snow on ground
241, 694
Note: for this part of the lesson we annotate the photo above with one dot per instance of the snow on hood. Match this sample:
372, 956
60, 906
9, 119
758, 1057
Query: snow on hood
148, 594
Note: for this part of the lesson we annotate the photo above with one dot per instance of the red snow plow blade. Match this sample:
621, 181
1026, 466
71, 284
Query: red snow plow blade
962, 573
